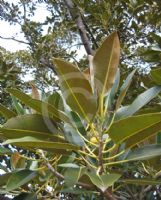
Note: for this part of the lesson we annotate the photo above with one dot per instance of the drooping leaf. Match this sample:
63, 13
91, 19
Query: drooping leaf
125, 128
124, 89
105, 63
6, 112
103, 181
138, 181
18, 133
33, 122
41, 144
39, 106
144, 153
76, 89
138, 103
19, 178
156, 75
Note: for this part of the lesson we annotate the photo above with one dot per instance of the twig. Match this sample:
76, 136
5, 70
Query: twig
14, 39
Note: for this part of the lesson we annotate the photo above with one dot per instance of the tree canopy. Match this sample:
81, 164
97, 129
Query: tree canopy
88, 125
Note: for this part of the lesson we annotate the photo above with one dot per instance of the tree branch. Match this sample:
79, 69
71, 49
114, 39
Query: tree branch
14, 39
75, 14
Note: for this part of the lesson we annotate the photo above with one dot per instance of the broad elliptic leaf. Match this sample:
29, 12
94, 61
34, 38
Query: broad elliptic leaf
18, 133
144, 153
156, 75
41, 144
39, 106
124, 89
4, 178
103, 181
6, 112
19, 178
76, 89
128, 127
105, 63
138, 103
33, 122
71, 176
72, 135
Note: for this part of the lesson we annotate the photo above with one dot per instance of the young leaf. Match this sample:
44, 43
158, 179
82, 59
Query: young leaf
76, 89
20, 178
105, 63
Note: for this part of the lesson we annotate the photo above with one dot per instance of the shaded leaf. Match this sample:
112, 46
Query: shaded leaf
124, 89
156, 75
19, 178
138, 181
6, 112
71, 176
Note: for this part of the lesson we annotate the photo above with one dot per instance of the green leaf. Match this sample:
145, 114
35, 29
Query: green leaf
26, 196
18, 107
105, 63
40, 144
103, 181
71, 176
143, 135
4, 151
124, 89
6, 112
77, 123
114, 89
125, 128
76, 89
4, 178
72, 135
144, 153
20, 178
139, 181
33, 122
56, 100
68, 165
156, 75
138, 103
16, 133
39, 106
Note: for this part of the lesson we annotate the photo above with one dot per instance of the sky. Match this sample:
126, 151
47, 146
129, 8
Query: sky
7, 30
